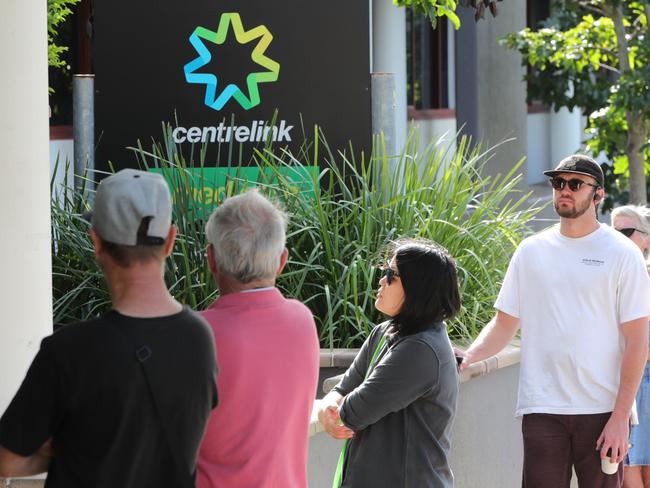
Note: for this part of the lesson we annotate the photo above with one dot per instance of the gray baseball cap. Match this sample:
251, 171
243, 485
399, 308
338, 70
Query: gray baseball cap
132, 208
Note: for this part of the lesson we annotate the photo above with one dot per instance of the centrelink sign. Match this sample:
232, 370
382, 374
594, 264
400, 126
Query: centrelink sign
229, 76
218, 95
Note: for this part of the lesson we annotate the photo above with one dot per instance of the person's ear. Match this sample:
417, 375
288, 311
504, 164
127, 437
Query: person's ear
169, 243
599, 194
212, 264
283, 261
97, 242
646, 242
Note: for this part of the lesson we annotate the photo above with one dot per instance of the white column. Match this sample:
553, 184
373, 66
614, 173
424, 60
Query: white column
25, 262
389, 56
566, 134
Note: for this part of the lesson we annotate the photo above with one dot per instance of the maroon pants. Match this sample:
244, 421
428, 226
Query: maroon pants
555, 443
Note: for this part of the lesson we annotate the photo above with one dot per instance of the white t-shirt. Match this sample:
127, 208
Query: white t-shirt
571, 295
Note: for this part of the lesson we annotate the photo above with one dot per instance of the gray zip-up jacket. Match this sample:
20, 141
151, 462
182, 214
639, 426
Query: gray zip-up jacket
402, 412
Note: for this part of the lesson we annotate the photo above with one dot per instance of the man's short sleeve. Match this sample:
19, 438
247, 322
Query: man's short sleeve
508, 299
634, 289
32, 415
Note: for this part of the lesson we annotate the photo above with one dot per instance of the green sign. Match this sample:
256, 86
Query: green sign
199, 190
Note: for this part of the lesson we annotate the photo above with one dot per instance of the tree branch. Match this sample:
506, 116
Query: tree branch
619, 28
610, 68
592, 8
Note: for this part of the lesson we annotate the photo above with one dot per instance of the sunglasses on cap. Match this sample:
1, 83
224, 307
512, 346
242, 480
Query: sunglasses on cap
574, 184
389, 273
628, 231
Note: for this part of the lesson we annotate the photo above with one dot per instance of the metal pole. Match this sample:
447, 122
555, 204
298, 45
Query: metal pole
83, 120
389, 56
466, 75
384, 106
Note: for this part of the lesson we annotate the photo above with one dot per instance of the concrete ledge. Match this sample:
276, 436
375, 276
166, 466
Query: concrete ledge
343, 357
337, 358
28, 482
509, 356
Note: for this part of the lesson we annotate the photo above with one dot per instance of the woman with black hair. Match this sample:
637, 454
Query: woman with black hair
395, 405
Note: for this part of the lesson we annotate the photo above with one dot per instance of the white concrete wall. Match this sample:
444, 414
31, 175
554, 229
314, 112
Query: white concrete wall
551, 137
25, 282
567, 133
62, 163
432, 130
502, 108
487, 449
486, 445
324, 453
539, 147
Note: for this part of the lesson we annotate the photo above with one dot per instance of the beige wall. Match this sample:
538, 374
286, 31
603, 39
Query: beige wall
486, 443
487, 449
429, 131
25, 281
502, 108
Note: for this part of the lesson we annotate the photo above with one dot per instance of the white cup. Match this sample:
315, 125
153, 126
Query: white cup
608, 466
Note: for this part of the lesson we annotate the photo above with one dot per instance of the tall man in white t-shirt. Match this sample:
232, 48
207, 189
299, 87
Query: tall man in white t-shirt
580, 293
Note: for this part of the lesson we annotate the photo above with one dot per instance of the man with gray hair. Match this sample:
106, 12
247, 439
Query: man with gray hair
268, 354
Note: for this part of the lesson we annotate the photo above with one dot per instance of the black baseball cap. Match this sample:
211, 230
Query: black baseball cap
579, 164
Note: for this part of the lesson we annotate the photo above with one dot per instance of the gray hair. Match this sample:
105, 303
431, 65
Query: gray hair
639, 213
247, 233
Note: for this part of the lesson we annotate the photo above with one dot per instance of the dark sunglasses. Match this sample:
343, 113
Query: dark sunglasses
574, 184
389, 273
628, 231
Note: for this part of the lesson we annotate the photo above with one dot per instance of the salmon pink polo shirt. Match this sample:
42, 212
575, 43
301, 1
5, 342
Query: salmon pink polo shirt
268, 354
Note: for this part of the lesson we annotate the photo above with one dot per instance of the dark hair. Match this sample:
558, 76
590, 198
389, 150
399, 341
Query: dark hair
428, 275
126, 256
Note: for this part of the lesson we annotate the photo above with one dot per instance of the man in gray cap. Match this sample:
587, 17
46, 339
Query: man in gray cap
121, 400
580, 292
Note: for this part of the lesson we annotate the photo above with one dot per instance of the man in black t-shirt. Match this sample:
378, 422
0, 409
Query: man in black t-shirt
121, 400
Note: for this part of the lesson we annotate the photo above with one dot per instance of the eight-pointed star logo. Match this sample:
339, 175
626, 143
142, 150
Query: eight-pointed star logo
216, 100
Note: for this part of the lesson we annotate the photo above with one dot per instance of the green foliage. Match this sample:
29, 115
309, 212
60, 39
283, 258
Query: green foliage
57, 12
575, 62
433, 9
339, 232
77, 282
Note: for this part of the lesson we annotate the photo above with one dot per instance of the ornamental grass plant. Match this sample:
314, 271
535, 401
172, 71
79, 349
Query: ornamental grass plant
345, 211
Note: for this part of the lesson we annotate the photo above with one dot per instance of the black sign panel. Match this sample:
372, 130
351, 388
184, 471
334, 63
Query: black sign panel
218, 70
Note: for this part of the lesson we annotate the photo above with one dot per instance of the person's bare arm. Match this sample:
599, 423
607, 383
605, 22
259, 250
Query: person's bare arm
617, 430
328, 415
14, 465
493, 338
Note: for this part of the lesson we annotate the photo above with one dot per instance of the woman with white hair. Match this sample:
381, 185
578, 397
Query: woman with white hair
634, 222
